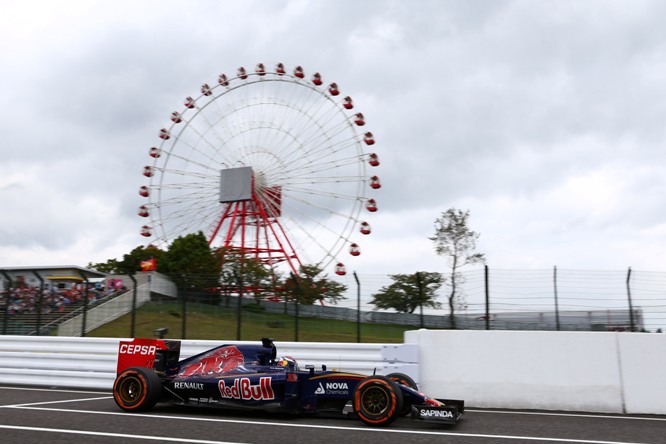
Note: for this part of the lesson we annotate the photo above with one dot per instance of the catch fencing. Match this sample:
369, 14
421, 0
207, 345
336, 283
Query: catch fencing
489, 299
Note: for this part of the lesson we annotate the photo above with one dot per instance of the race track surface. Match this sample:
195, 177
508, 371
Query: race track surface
31, 415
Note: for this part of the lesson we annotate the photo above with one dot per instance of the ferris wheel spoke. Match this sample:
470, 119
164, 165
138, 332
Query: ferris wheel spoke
330, 147
209, 160
181, 208
324, 132
311, 204
181, 188
184, 200
207, 176
322, 167
318, 138
299, 225
303, 123
319, 188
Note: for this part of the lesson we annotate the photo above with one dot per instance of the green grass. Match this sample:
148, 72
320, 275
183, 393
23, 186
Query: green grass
213, 322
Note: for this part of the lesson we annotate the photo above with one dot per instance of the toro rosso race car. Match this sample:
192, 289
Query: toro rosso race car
252, 376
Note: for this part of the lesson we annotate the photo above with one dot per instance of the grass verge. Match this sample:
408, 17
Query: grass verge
213, 322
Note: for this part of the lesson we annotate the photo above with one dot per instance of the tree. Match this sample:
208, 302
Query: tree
408, 292
314, 288
191, 263
131, 262
454, 240
111, 266
256, 277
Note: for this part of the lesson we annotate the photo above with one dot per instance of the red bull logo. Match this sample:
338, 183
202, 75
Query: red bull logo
243, 389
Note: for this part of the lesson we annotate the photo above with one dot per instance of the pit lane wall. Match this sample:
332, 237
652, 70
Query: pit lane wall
571, 371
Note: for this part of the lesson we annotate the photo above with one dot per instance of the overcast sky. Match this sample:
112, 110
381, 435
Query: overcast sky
545, 119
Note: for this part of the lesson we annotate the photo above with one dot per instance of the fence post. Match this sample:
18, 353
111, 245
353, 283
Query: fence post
358, 308
487, 297
40, 301
557, 303
297, 292
239, 279
85, 305
419, 285
133, 322
6, 314
631, 308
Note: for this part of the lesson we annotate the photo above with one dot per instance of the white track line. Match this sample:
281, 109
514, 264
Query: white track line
571, 415
115, 435
342, 428
54, 402
39, 389
33, 406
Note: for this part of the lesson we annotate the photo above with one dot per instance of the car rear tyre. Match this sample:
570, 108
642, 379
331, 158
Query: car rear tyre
377, 400
407, 381
137, 389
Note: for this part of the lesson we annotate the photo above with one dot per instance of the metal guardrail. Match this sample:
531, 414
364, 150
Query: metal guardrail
91, 362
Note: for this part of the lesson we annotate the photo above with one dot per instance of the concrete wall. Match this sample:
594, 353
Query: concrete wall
575, 371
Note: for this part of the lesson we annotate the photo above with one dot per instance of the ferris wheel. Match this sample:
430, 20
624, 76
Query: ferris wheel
269, 163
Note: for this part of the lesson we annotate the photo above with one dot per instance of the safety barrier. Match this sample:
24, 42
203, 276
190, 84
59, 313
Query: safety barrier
574, 371
91, 362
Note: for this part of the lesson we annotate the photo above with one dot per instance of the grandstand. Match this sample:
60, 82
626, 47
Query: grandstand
34, 299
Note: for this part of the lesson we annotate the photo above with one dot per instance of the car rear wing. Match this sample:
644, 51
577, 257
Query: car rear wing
156, 354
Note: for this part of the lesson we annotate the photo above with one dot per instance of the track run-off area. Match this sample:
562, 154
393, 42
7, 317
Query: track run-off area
29, 414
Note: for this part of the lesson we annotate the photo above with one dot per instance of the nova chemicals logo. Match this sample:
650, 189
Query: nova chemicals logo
333, 388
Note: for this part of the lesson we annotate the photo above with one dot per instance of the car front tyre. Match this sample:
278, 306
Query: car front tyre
377, 400
407, 381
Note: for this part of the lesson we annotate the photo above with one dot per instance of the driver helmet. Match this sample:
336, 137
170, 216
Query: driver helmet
287, 362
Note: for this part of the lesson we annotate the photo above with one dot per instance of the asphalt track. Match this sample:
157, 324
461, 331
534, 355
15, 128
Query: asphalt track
41, 415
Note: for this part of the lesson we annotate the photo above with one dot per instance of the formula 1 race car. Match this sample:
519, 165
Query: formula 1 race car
252, 376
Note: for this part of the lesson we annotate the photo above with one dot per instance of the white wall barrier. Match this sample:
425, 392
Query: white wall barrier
91, 362
574, 371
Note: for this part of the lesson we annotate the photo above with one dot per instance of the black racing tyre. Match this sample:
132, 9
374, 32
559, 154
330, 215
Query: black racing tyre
137, 389
407, 381
377, 400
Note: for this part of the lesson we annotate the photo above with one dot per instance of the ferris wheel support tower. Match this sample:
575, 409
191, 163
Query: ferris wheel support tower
249, 216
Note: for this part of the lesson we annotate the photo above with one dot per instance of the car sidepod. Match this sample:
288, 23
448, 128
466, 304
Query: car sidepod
326, 391
265, 390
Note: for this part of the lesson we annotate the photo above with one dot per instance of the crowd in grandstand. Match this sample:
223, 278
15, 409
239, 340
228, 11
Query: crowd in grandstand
26, 299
